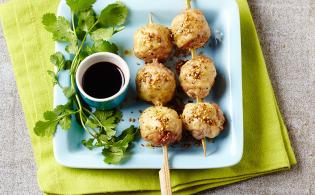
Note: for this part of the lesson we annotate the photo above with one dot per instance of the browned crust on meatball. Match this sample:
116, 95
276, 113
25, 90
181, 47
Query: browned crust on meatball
160, 126
162, 138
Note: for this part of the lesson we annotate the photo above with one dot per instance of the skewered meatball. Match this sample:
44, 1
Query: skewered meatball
203, 120
197, 77
155, 83
153, 41
160, 125
190, 29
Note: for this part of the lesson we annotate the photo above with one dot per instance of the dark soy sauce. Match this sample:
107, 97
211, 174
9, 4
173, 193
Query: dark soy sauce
102, 80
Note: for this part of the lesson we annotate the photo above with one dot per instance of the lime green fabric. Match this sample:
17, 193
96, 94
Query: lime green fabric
266, 143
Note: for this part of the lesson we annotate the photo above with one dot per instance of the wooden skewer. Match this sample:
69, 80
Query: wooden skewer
193, 53
150, 18
188, 4
204, 146
164, 173
203, 141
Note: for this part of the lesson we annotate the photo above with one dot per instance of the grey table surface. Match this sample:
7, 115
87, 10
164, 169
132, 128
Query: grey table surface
287, 33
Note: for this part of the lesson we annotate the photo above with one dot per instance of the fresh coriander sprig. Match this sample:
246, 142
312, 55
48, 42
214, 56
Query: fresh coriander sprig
101, 125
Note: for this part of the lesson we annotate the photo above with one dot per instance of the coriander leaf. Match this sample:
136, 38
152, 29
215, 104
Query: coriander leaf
106, 121
59, 27
58, 60
110, 133
103, 115
80, 33
91, 123
45, 128
61, 114
67, 64
86, 51
72, 47
60, 109
89, 143
113, 15
104, 139
104, 46
109, 119
65, 122
54, 76
102, 34
49, 21
128, 134
86, 20
50, 115
118, 115
114, 152
80, 5
68, 91
113, 155
63, 110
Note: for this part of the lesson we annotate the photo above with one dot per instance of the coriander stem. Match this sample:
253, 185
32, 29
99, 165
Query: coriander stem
74, 67
93, 26
72, 81
78, 103
81, 46
87, 110
81, 120
73, 28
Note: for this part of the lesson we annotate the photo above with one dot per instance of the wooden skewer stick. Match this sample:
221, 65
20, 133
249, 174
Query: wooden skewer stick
204, 146
203, 141
150, 18
188, 4
193, 53
164, 173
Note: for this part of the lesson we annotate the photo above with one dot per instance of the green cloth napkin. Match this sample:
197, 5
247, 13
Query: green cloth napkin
266, 143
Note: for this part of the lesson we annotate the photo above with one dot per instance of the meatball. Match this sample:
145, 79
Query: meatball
197, 76
160, 125
203, 120
155, 83
190, 29
153, 41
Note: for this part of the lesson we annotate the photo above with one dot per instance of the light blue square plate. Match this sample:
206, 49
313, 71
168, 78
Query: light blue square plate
225, 150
